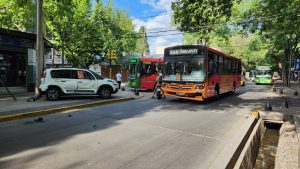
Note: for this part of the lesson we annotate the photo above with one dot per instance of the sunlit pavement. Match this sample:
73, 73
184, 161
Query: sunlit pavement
144, 133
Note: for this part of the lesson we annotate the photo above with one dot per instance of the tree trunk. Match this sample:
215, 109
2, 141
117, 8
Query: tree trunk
285, 73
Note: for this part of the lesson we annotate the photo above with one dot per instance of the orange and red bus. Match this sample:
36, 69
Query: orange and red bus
143, 71
198, 72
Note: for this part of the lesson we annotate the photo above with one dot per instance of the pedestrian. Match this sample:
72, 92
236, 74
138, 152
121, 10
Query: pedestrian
158, 83
119, 79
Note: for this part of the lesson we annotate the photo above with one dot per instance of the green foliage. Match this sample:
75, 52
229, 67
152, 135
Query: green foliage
260, 32
201, 17
142, 45
17, 14
76, 26
278, 23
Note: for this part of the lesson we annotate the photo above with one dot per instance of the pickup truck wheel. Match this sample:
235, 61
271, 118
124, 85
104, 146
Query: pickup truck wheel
105, 93
53, 94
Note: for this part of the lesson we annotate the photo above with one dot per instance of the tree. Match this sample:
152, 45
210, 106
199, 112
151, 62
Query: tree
201, 17
18, 14
59, 20
142, 45
278, 23
77, 29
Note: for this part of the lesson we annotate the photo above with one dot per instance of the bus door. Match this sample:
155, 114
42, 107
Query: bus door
149, 74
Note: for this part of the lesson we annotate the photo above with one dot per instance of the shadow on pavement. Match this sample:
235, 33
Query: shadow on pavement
17, 137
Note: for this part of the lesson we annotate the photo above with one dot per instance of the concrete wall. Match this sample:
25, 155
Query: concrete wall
249, 154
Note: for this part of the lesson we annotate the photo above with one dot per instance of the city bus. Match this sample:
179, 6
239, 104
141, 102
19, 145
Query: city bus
143, 71
263, 75
197, 72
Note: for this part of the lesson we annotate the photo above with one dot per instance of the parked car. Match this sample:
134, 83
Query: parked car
57, 82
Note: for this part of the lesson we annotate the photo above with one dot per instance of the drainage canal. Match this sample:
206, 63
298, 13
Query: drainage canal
267, 151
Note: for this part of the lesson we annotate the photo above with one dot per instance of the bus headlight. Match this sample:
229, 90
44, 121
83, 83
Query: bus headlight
199, 87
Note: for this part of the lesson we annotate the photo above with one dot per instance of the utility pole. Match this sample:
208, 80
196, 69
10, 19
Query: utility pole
62, 54
109, 56
39, 47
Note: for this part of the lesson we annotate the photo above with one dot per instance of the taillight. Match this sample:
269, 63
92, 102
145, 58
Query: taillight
44, 74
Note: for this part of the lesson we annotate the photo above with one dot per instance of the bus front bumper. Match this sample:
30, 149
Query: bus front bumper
198, 96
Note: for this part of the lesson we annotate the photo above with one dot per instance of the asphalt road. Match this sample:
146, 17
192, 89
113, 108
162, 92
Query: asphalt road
144, 133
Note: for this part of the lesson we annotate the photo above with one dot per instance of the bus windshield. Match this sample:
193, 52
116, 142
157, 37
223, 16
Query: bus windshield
188, 70
263, 72
132, 70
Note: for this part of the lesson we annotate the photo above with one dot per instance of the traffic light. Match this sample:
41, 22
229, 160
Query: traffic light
112, 54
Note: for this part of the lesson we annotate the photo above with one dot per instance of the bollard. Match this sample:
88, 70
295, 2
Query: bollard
268, 106
296, 93
123, 88
285, 102
137, 92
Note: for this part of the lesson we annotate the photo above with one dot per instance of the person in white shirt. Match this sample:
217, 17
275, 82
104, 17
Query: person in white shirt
119, 79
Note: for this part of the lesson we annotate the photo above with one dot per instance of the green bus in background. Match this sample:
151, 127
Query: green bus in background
143, 71
263, 75
133, 76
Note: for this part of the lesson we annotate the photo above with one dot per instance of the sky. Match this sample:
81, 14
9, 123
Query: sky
156, 16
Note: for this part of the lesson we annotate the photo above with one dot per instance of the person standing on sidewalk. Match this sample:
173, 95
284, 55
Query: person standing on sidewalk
119, 79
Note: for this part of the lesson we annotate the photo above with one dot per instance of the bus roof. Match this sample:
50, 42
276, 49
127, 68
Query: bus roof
146, 59
222, 53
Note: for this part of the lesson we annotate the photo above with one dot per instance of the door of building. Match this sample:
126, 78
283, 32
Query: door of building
13, 68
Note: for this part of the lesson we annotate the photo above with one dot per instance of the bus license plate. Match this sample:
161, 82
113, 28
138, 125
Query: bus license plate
180, 94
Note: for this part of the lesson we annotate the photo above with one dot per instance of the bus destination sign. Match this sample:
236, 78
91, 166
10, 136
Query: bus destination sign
132, 60
183, 51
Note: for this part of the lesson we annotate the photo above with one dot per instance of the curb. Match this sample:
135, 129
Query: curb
230, 155
61, 109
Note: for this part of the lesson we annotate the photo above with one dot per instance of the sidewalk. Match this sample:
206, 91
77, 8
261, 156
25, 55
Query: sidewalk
12, 109
287, 155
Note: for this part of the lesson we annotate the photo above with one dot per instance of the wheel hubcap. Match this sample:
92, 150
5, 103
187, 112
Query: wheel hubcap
105, 92
53, 94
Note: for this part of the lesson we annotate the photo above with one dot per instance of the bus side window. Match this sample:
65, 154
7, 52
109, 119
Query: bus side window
216, 63
233, 66
229, 65
239, 67
220, 64
225, 68
210, 63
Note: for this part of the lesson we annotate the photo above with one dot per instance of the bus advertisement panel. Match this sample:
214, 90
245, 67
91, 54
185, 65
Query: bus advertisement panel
198, 72
144, 71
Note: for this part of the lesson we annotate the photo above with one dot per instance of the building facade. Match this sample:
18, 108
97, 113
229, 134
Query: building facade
18, 58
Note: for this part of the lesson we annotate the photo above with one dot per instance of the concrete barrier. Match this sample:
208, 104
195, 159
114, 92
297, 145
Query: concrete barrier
288, 149
250, 151
242, 148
